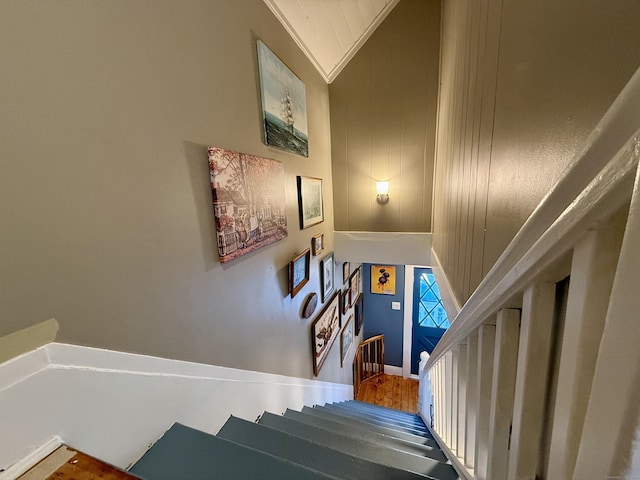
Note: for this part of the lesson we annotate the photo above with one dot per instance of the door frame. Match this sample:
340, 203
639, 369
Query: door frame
449, 301
407, 331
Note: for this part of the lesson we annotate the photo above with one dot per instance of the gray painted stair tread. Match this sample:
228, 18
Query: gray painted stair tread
412, 426
360, 430
307, 453
361, 448
387, 412
377, 420
186, 453
383, 429
380, 420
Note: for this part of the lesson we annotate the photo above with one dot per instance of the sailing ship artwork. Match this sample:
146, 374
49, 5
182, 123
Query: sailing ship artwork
248, 201
324, 331
284, 104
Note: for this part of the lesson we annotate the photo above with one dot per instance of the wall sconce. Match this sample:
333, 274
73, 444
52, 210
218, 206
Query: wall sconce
382, 190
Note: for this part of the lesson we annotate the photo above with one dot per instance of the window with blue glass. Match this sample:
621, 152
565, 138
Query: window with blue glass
431, 312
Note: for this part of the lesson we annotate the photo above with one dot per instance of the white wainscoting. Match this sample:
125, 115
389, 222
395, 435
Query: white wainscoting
114, 405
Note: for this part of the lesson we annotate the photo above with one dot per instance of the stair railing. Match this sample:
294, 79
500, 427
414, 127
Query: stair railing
522, 383
368, 362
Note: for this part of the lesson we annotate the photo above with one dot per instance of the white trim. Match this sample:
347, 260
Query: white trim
451, 304
22, 367
407, 331
393, 370
409, 248
26, 463
41, 390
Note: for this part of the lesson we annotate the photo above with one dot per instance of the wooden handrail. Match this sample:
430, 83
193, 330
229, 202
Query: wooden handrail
368, 362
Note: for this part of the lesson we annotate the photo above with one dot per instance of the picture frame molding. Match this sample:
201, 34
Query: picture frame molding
346, 271
354, 288
294, 289
318, 362
323, 274
281, 90
303, 203
315, 240
348, 327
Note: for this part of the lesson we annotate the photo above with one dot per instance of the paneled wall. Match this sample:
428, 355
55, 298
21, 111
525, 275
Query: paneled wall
522, 85
383, 113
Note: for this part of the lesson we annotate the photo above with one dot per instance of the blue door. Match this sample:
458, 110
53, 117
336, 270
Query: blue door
429, 316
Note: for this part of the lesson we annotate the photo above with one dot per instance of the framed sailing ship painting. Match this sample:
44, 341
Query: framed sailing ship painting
284, 104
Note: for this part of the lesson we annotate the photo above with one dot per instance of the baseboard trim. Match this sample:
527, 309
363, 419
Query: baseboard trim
393, 370
28, 462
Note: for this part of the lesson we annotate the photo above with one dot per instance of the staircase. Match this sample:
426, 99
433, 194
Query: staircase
348, 440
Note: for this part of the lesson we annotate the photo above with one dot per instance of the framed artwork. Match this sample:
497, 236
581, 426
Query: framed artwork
248, 202
310, 201
299, 272
346, 340
354, 287
344, 301
383, 279
317, 244
324, 331
327, 276
284, 104
359, 312
345, 272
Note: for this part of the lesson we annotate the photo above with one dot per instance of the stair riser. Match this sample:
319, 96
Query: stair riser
304, 452
351, 426
400, 415
374, 421
412, 423
431, 450
359, 448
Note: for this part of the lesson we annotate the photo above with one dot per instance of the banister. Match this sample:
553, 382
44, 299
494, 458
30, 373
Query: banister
368, 362
597, 181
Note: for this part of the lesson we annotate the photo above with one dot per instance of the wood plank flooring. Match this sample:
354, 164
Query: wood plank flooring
68, 464
392, 392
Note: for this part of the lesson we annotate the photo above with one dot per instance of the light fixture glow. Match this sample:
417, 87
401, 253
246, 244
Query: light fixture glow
382, 190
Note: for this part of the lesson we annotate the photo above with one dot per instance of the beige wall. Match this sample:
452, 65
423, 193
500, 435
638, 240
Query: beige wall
522, 85
105, 204
383, 112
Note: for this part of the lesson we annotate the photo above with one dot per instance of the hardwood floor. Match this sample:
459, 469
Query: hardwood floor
68, 464
392, 392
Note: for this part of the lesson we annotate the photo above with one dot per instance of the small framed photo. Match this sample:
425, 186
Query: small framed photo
359, 315
346, 270
317, 244
310, 201
354, 287
299, 272
344, 301
346, 340
327, 283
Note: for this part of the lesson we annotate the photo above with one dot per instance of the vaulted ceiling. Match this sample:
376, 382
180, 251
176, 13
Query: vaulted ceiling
330, 32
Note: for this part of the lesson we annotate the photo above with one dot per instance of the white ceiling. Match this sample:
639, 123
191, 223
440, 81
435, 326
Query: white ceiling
330, 32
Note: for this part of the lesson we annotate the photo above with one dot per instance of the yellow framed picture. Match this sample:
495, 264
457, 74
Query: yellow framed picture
383, 279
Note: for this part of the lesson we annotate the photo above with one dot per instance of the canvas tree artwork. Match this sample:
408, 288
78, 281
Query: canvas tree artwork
248, 201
